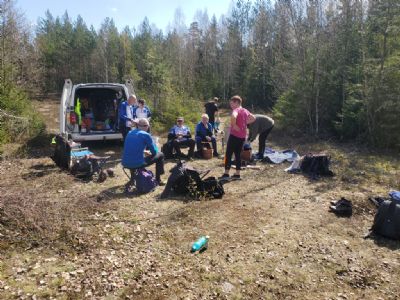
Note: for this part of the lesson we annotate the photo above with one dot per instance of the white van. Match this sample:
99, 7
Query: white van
89, 112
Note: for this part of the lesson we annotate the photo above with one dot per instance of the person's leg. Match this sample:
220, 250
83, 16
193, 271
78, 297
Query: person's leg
238, 146
199, 145
177, 147
158, 159
228, 154
261, 142
191, 144
214, 146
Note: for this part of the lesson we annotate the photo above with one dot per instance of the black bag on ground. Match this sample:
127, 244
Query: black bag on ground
316, 164
83, 168
387, 220
62, 152
185, 180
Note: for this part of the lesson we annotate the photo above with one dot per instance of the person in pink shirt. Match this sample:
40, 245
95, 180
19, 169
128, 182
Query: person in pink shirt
239, 119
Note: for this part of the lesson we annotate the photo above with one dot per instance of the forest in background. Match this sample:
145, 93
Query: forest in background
322, 67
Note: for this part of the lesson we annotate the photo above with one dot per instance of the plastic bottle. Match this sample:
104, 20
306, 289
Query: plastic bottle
200, 244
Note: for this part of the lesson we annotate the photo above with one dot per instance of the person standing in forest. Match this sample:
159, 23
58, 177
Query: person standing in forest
262, 126
240, 118
125, 114
211, 109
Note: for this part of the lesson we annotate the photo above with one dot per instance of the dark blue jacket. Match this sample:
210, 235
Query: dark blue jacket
202, 131
135, 143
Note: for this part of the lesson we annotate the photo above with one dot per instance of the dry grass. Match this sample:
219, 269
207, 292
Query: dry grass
272, 236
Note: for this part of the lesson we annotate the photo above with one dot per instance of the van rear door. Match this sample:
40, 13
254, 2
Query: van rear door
66, 93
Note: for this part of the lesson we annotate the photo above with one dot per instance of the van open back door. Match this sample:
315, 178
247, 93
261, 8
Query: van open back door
129, 85
66, 93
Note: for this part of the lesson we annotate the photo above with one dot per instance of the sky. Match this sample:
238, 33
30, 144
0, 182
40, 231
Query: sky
124, 12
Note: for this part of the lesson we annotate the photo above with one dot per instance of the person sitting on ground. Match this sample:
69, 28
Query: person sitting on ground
180, 136
134, 148
240, 118
204, 133
262, 126
125, 114
211, 109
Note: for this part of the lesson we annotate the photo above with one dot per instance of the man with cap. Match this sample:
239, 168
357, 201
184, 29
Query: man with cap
136, 142
180, 136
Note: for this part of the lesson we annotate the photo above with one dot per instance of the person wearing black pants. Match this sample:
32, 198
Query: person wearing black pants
234, 146
262, 126
158, 159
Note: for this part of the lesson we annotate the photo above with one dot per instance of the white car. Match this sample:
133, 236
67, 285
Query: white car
89, 111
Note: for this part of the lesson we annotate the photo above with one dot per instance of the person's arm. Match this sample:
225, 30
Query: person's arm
233, 121
199, 132
172, 134
252, 135
133, 110
148, 113
150, 145
188, 134
123, 112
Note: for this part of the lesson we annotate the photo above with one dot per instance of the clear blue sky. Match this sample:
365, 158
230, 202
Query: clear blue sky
124, 12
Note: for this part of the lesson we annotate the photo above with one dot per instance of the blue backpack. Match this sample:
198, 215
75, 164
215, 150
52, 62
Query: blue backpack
145, 181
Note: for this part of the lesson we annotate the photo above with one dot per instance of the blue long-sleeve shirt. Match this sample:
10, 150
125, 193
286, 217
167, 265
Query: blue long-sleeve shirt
179, 130
123, 114
135, 143
203, 131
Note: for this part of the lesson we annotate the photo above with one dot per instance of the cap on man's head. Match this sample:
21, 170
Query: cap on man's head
143, 122
215, 99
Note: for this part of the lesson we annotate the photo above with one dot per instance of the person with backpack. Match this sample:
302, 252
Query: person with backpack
204, 133
179, 136
125, 115
261, 127
240, 118
136, 142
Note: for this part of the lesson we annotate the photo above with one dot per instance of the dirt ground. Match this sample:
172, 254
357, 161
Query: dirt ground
271, 236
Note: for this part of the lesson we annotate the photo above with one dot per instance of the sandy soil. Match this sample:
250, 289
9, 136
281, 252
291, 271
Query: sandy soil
271, 236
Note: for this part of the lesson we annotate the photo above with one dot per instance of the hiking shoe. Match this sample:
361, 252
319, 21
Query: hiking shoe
224, 176
344, 208
342, 200
236, 176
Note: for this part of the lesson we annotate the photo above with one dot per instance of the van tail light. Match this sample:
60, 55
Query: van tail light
72, 118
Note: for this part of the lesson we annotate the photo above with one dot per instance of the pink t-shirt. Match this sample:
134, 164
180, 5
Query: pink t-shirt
241, 122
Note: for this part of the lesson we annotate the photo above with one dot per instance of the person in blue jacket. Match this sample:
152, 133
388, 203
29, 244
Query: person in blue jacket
137, 140
125, 115
141, 110
204, 133
180, 136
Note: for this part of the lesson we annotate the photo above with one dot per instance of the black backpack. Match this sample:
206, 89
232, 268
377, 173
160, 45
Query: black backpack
316, 164
185, 180
387, 220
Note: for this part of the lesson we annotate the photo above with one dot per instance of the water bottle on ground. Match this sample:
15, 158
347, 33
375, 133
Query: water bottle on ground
201, 244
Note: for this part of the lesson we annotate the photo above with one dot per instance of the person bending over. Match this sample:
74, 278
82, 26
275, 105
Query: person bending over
262, 126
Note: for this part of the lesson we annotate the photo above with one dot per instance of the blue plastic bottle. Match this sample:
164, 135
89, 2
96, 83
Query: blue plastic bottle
200, 244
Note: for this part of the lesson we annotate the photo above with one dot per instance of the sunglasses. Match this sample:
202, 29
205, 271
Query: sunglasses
180, 121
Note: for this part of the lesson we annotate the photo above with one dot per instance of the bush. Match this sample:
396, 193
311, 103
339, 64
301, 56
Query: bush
18, 119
